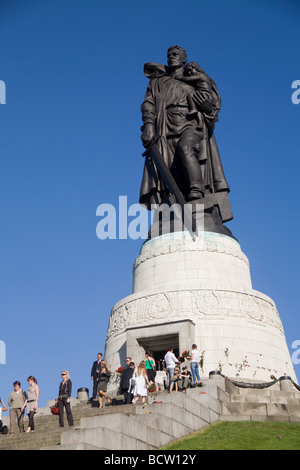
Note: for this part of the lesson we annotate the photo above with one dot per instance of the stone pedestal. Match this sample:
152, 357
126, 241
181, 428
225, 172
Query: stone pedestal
197, 289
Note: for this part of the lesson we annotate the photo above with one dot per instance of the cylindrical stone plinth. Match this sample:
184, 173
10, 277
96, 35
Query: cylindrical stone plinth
198, 290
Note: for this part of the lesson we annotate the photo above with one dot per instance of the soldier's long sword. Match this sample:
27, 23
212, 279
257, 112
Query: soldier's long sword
168, 179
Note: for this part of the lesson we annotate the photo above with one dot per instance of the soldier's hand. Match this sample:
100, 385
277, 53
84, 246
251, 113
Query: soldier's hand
202, 102
148, 135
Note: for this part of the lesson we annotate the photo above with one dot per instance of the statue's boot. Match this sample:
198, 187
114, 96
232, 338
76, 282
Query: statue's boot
193, 176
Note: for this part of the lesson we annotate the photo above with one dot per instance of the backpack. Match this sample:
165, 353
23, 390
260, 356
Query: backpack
3, 429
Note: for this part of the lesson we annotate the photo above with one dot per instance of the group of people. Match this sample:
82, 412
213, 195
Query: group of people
135, 380
180, 380
134, 383
100, 374
20, 400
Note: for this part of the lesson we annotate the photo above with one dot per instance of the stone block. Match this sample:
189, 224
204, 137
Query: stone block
126, 443
208, 402
277, 409
143, 446
213, 417
157, 421
294, 419
140, 431
245, 409
244, 398
97, 437
70, 436
235, 418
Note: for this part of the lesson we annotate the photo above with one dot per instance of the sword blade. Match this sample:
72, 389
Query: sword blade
168, 179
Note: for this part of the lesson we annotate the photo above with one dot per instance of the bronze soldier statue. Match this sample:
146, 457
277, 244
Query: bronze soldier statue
179, 113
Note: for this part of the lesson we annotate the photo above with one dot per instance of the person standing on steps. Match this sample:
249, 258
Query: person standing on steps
103, 379
64, 399
150, 368
195, 358
170, 363
140, 389
16, 402
125, 383
94, 374
32, 401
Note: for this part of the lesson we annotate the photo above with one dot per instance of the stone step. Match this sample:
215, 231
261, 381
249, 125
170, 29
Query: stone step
198, 403
146, 424
170, 427
29, 441
180, 412
77, 446
47, 430
280, 411
166, 417
124, 432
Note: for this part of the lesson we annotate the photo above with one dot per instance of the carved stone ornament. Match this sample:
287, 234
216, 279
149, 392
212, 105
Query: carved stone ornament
193, 304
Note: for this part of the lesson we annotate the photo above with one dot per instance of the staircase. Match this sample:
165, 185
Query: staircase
47, 430
165, 418
144, 427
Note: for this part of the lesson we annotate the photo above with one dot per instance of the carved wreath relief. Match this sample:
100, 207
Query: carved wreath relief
193, 305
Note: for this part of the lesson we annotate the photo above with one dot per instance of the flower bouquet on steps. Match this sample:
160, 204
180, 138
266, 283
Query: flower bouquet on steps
152, 388
54, 409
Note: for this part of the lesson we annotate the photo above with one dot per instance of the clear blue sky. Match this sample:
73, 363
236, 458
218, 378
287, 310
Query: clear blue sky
70, 140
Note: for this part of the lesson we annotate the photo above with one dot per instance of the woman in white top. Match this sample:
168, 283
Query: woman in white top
195, 358
140, 389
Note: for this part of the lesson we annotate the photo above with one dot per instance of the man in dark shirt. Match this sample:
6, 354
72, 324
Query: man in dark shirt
94, 374
124, 383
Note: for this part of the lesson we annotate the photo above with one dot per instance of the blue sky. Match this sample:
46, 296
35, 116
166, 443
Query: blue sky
70, 141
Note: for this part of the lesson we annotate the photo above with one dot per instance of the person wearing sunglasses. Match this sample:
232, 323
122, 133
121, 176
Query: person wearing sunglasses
64, 399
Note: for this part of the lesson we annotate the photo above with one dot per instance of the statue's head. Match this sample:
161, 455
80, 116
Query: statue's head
176, 57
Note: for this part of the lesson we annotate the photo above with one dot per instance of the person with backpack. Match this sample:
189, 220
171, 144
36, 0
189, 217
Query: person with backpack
3, 408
